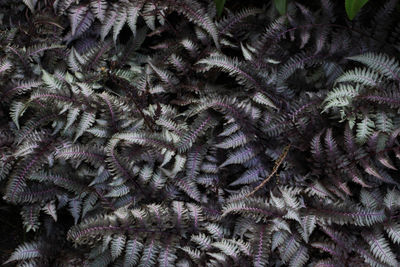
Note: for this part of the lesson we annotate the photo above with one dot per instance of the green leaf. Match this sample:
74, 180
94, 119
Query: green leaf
353, 6
220, 6
281, 6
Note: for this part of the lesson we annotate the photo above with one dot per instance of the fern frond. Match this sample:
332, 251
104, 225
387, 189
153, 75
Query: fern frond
52, 81
189, 187
371, 259
5, 65
75, 208
341, 214
99, 7
300, 258
150, 252
393, 231
166, 76
21, 87
102, 260
19, 176
289, 248
195, 13
26, 251
370, 199
17, 109
384, 123
90, 202
381, 63
227, 248
167, 255
327, 247
133, 10
260, 246
252, 208
50, 209
199, 127
90, 154
227, 24
38, 49
239, 156
250, 176
36, 194
340, 96
202, 240
117, 245
64, 181
132, 252
30, 217
363, 76
262, 99
233, 68
327, 262
294, 63
119, 23
80, 16
365, 129
195, 158
380, 247
144, 139
86, 122
391, 199
118, 191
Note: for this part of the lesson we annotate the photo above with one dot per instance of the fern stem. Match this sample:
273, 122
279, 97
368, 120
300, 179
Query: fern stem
278, 163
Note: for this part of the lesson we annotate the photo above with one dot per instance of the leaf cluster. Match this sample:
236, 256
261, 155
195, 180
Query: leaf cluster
154, 133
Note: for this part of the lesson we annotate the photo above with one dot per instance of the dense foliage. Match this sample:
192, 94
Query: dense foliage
154, 133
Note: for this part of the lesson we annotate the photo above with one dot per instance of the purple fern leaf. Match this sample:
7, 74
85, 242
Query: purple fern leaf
260, 247
80, 233
17, 183
102, 50
76, 16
